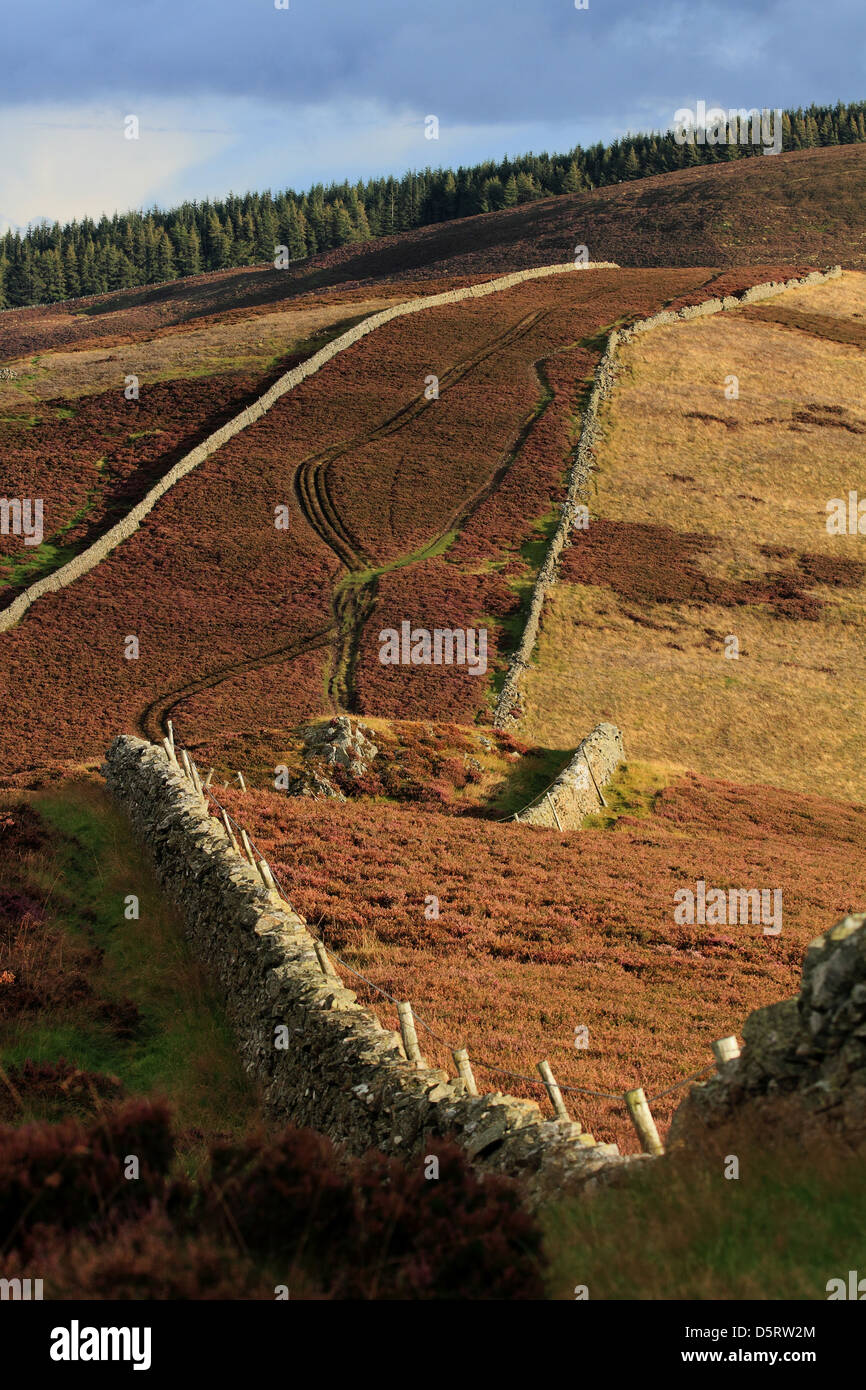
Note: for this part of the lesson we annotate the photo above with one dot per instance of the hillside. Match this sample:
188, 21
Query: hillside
709, 523
398, 505
537, 933
438, 509
807, 205
767, 211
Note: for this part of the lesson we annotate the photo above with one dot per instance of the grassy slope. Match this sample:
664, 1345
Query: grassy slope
86, 963
682, 1230
709, 521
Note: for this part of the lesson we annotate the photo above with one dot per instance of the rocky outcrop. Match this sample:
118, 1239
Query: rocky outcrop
337, 744
322, 1059
578, 790
340, 743
811, 1049
311, 783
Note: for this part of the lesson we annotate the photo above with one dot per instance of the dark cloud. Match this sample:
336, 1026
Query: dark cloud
469, 61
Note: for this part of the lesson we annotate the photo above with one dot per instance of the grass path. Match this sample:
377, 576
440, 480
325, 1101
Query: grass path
181, 1047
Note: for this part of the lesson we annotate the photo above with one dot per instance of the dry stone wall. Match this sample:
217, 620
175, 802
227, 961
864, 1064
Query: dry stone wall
508, 705
339, 1072
578, 790
810, 1050
96, 553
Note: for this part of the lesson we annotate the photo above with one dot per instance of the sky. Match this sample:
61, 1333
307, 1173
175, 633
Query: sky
231, 95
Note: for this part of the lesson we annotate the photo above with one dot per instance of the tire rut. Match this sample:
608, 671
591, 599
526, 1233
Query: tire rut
353, 604
152, 721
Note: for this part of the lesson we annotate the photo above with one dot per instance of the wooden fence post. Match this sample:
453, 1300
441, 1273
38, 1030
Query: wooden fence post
240, 777
726, 1050
553, 809
594, 783
553, 1091
464, 1070
169, 752
410, 1037
267, 877
325, 962
231, 834
170, 728
209, 778
245, 841
641, 1117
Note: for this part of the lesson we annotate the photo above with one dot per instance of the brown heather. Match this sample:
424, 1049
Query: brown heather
540, 932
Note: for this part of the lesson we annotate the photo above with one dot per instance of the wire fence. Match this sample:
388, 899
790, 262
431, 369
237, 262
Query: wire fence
634, 1101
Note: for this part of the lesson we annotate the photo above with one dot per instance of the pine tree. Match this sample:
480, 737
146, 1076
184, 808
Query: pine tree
571, 182
187, 249
316, 219
98, 274
404, 214
362, 226
164, 268
217, 244
341, 227
292, 233
18, 278
526, 189
264, 234
70, 272
493, 194
448, 196
89, 280
54, 281
139, 257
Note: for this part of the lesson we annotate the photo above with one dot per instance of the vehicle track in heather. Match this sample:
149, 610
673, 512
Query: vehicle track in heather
352, 602
152, 722
311, 474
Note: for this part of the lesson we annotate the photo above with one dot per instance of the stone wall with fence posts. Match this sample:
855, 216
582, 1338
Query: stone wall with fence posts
579, 789
323, 1059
